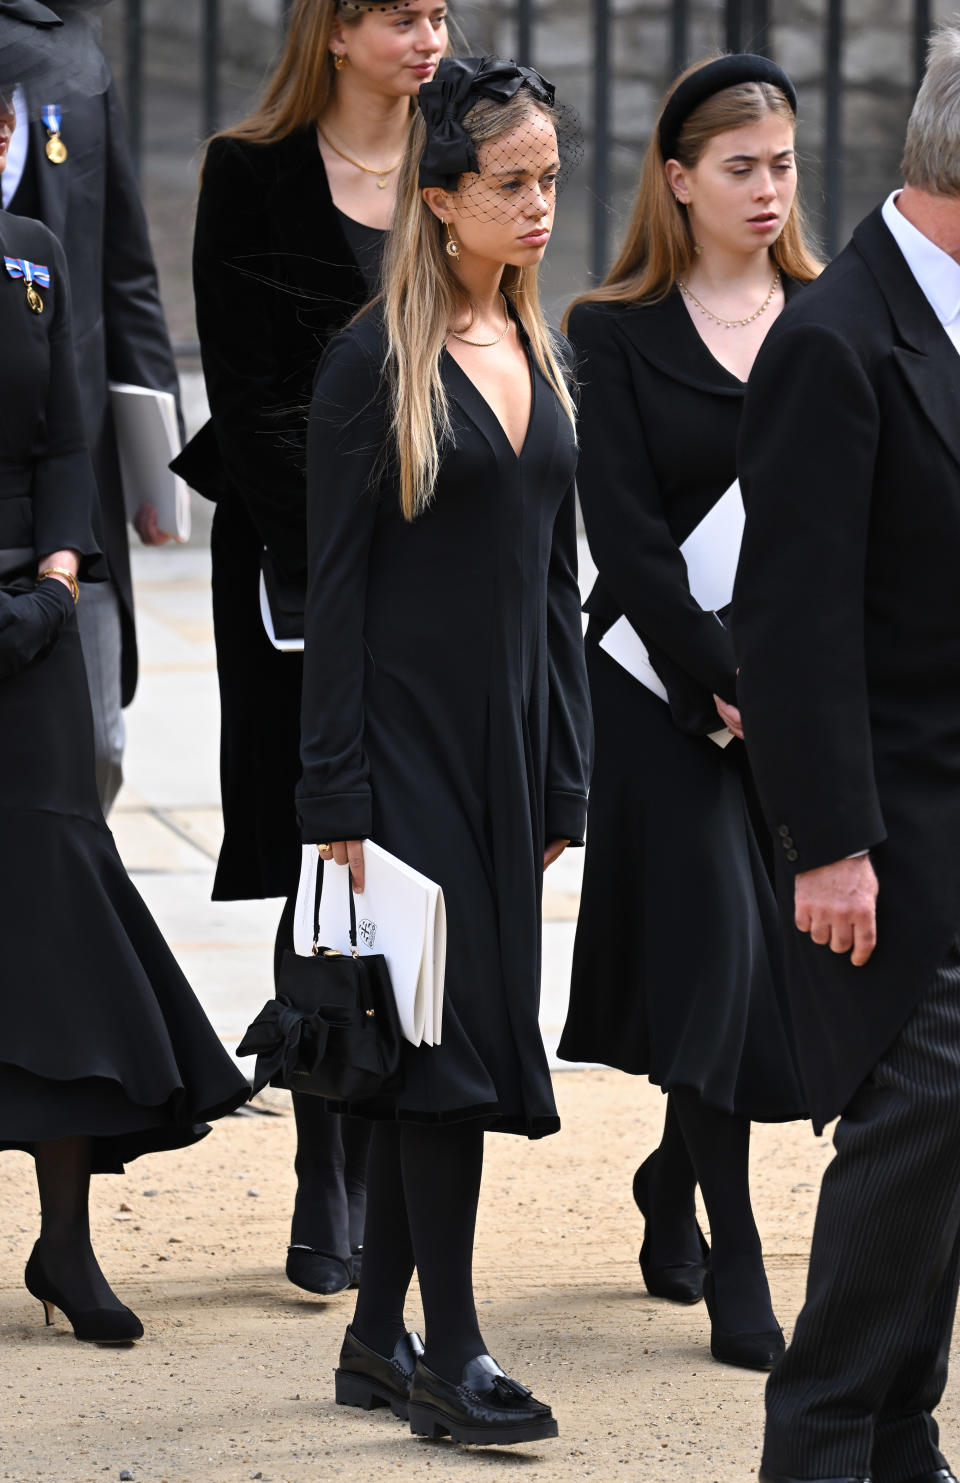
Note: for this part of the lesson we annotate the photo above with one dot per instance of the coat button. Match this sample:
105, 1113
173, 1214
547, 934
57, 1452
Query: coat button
784, 831
792, 855
787, 842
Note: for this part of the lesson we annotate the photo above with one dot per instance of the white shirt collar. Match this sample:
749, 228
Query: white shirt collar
937, 273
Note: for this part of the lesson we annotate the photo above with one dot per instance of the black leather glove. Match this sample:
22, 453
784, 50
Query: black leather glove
30, 624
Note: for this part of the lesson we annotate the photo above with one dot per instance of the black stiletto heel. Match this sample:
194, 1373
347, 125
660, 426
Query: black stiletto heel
680, 1282
92, 1326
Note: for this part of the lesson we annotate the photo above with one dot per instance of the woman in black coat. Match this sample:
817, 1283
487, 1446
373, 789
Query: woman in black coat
445, 710
677, 965
106, 1054
293, 211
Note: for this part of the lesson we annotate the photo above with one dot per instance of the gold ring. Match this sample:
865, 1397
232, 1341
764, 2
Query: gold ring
322, 847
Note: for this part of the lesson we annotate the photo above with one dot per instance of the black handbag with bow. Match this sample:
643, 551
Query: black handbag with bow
333, 1029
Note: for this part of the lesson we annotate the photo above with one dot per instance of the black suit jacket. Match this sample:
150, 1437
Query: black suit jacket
92, 204
847, 628
274, 278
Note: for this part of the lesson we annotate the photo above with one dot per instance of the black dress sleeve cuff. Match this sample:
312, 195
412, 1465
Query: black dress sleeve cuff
566, 817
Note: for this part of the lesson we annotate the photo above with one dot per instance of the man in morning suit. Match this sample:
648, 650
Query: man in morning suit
70, 167
847, 624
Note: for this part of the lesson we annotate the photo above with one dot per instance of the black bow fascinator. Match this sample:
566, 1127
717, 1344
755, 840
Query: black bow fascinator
446, 100
51, 50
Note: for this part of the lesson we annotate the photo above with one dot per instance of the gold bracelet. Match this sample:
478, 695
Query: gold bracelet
61, 571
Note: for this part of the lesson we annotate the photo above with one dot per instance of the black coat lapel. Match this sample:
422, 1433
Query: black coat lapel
927, 359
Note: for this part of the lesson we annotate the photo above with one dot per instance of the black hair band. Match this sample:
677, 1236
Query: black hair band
725, 72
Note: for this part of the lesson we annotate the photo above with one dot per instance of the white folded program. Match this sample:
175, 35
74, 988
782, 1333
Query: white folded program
148, 438
400, 914
711, 553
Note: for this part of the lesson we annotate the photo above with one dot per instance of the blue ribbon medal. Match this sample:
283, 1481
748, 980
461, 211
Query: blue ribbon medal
31, 274
53, 122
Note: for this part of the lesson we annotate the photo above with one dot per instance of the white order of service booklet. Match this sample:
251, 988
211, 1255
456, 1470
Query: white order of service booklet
147, 439
400, 914
711, 553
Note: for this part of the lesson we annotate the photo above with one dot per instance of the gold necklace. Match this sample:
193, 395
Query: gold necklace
367, 169
485, 344
731, 324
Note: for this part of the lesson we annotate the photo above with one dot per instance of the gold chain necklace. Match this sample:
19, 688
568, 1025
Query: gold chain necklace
367, 169
731, 324
486, 344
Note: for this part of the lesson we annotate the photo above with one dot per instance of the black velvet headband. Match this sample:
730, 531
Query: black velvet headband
725, 72
448, 97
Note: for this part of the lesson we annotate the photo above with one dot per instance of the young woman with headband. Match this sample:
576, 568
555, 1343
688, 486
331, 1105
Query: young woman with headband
294, 206
677, 965
445, 709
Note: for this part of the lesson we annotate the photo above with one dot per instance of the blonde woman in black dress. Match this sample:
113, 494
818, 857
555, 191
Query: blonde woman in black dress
449, 720
677, 966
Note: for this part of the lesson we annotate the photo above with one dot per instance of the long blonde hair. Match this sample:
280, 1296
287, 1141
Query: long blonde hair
301, 85
659, 247
422, 295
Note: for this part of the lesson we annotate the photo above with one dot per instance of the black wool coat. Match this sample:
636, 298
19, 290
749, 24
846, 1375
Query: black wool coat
92, 204
445, 705
847, 628
659, 418
274, 278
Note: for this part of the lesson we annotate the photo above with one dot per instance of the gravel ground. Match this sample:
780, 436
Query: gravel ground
233, 1379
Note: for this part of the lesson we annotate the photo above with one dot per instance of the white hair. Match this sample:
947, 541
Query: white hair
931, 158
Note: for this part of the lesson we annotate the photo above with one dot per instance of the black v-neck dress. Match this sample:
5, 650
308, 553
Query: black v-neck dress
677, 969
446, 712
102, 1035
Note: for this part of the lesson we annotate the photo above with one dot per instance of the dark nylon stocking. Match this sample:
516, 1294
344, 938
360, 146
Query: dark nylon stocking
63, 1180
422, 1197
331, 1161
672, 1231
719, 1145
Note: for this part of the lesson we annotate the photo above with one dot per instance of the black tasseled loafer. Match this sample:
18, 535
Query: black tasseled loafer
367, 1379
486, 1409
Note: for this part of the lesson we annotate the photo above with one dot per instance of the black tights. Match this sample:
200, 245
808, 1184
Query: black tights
63, 1180
331, 1161
423, 1188
703, 1145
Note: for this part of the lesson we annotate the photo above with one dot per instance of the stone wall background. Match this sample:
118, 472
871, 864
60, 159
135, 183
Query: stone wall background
878, 73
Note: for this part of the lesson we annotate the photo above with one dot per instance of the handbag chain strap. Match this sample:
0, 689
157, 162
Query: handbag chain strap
354, 949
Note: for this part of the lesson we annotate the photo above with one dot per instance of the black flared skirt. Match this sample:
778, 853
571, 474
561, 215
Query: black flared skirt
102, 1035
677, 971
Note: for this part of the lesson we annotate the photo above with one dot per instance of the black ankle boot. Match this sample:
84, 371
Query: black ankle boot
679, 1282
92, 1325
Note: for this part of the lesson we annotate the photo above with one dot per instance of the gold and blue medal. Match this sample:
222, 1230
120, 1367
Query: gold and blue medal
33, 275
53, 122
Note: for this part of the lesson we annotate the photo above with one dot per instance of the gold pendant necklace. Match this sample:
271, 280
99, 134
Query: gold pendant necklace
731, 324
382, 175
485, 344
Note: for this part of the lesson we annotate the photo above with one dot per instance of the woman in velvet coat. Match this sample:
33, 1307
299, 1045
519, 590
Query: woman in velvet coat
677, 971
293, 210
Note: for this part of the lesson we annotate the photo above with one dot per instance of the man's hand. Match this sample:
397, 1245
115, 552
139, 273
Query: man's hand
730, 716
145, 524
837, 905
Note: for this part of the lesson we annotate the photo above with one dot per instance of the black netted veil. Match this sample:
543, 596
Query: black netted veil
494, 178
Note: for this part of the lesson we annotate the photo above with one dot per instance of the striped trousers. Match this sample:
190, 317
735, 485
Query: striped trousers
855, 1392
